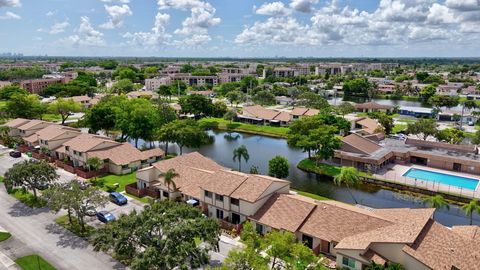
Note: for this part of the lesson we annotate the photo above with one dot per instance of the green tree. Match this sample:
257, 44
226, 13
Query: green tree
24, 106
325, 142
162, 236
386, 121
166, 91
436, 202
219, 109
230, 115
64, 107
186, 133
31, 175
8, 91
195, 104
123, 86
102, 116
278, 167
471, 207
235, 97
422, 128
358, 87
439, 101
253, 169
450, 135
248, 83
348, 176
168, 177
95, 164
427, 92
313, 100
264, 98
59, 196
345, 108
228, 87
239, 153
126, 73
138, 120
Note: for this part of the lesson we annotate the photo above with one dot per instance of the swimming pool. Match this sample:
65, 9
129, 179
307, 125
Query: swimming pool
446, 179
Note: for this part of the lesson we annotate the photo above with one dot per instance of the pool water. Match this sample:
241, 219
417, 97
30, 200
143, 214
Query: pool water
446, 179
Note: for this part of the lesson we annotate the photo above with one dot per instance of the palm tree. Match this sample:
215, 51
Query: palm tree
95, 164
239, 153
168, 178
436, 202
471, 207
348, 176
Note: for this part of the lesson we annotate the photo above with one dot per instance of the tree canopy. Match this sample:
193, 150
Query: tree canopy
64, 107
278, 167
25, 106
162, 236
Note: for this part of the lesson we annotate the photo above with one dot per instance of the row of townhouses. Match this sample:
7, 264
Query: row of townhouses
70, 149
355, 236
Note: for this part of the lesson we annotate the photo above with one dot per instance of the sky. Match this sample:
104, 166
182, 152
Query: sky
241, 28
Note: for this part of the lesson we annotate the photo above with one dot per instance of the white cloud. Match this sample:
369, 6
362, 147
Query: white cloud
50, 13
393, 22
116, 16
58, 28
156, 37
183, 4
10, 16
85, 35
303, 5
273, 9
116, 1
10, 3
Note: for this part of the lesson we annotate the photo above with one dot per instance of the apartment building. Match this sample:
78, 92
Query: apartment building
36, 86
155, 83
355, 236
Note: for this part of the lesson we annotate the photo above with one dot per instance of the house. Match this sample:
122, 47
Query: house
259, 115
366, 154
369, 128
370, 107
356, 236
418, 112
53, 137
301, 112
86, 101
30, 127
13, 126
226, 195
386, 88
142, 94
119, 158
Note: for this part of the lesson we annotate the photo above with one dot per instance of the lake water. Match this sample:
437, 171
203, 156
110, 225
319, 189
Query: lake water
261, 149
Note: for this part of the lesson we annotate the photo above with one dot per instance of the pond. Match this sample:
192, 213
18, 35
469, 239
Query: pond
261, 149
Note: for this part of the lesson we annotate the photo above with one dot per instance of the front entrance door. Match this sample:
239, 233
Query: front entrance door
307, 241
235, 218
457, 167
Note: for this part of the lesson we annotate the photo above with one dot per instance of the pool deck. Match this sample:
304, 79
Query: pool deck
395, 174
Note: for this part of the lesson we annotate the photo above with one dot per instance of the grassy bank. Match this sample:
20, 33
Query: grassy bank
309, 165
222, 124
310, 195
74, 227
28, 199
34, 262
4, 236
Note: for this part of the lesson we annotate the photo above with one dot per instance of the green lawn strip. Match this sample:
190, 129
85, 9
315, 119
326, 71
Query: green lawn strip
222, 124
122, 180
406, 120
27, 198
310, 195
1, 179
51, 117
74, 227
3, 103
399, 128
4, 236
324, 169
34, 262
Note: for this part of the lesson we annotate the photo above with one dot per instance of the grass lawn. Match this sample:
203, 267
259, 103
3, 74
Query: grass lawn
28, 199
406, 120
34, 262
122, 180
51, 117
222, 124
325, 169
74, 227
3, 103
398, 128
4, 236
310, 195
1, 179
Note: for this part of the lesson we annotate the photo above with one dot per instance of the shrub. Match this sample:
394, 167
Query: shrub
111, 188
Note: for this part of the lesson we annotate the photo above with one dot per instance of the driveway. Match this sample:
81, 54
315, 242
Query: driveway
117, 210
36, 228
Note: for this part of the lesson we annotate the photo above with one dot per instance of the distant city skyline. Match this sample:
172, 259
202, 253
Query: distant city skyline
246, 28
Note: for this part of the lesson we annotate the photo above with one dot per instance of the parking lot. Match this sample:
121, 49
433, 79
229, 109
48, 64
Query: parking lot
116, 210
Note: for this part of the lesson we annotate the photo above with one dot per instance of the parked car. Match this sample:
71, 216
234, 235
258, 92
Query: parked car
470, 123
91, 211
118, 198
15, 154
105, 216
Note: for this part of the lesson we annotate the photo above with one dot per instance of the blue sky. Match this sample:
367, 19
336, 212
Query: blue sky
241, 28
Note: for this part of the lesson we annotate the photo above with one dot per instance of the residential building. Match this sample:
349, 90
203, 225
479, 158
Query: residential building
142, 94
36, 86
155, 83
370, 107
86, 101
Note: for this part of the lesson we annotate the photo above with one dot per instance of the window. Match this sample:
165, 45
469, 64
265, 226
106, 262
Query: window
348, 262
259, 228
234, 201
219, 214
208, 194
67, 148
219, 197
165, 194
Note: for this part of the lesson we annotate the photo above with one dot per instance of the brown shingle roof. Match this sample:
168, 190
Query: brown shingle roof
284, 211
440, 248
225, 182
304, 112
54, 131
469, 232
447, 146
32, 123
193, 159
255, 186
85, 142
369, 125
33, 139
16, 122
328, 221
124, 154
372, 105
364, 145
260, 112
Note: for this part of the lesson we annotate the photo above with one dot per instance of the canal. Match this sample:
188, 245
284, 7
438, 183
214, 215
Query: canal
262, 149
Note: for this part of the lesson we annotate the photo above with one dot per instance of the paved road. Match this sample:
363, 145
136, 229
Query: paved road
37, 229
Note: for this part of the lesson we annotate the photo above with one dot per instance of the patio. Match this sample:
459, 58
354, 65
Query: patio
394, 173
